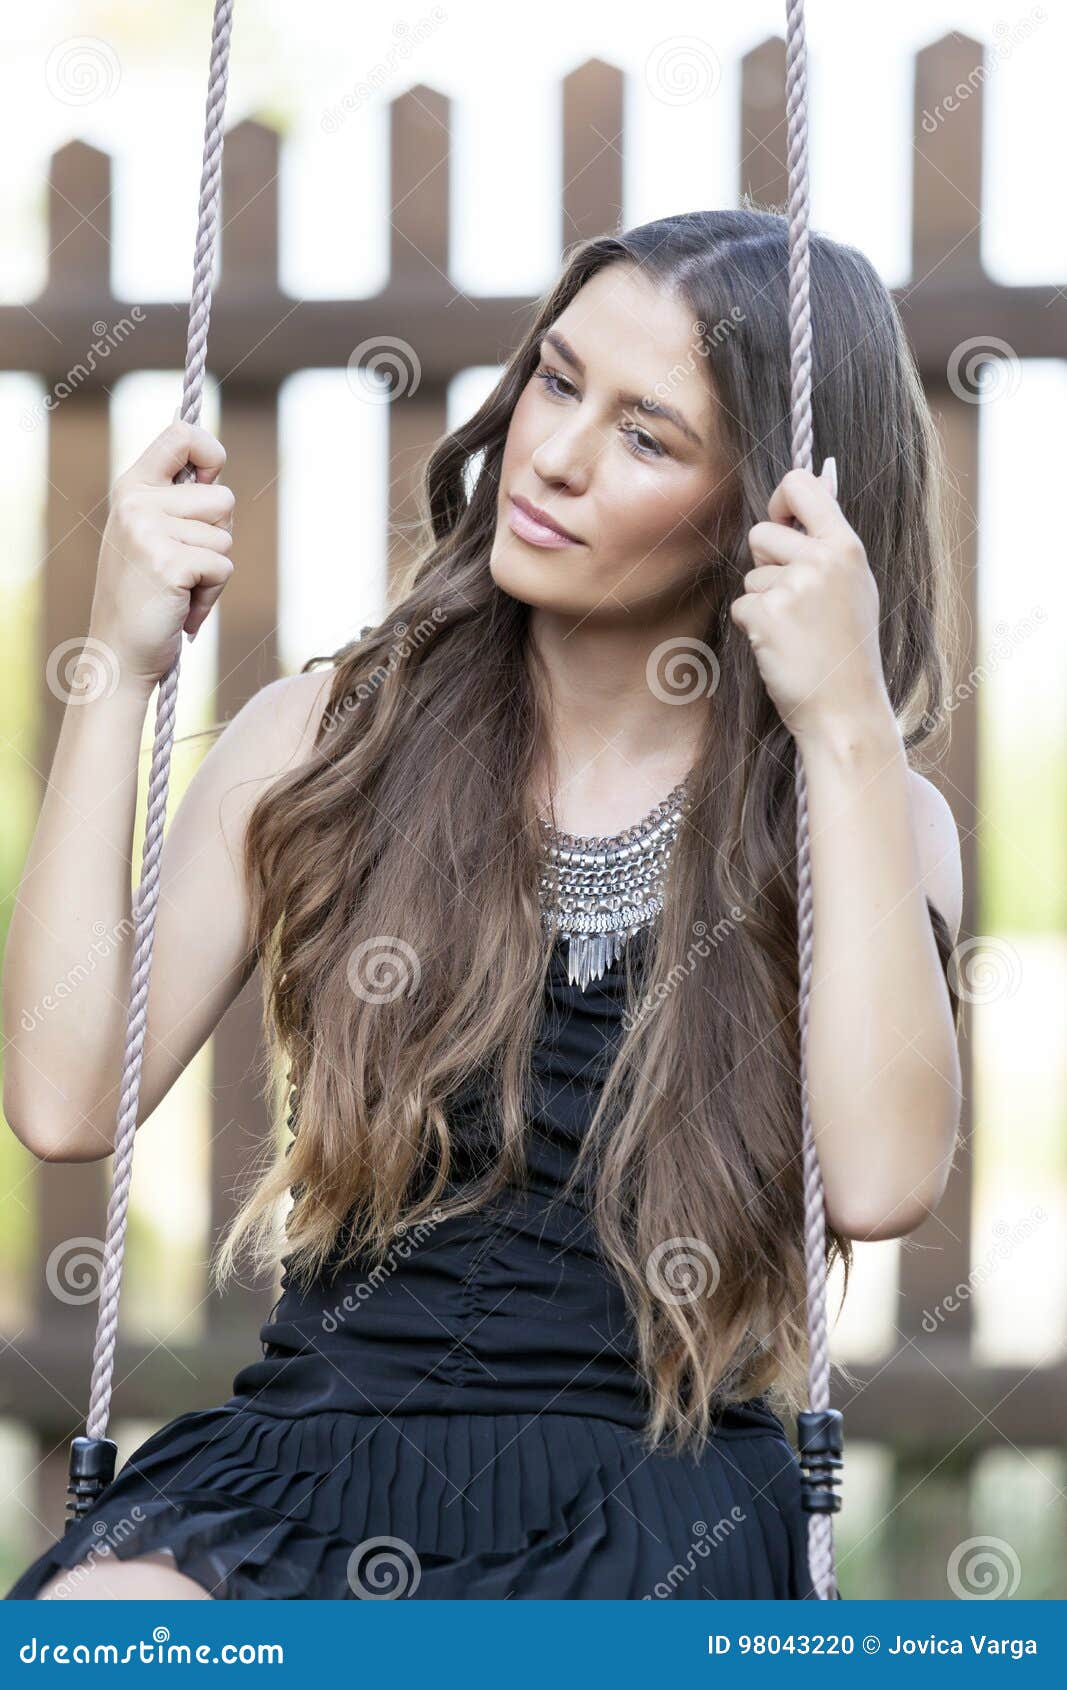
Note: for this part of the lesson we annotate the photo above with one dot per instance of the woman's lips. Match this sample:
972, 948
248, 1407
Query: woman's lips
527, 529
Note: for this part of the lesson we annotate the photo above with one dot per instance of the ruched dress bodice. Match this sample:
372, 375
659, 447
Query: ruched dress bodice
511, 1307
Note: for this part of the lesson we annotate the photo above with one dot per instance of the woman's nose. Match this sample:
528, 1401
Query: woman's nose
567, 456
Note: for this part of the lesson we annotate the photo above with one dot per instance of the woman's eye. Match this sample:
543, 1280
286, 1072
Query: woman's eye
552, 380
653, 450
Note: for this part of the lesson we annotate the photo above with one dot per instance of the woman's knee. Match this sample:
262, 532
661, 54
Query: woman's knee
142, 1577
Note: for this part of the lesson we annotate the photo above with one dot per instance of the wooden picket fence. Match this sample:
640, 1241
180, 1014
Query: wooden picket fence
932, 1405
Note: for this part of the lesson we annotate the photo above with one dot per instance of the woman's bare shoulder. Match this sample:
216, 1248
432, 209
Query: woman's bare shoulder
277, 727
271, 736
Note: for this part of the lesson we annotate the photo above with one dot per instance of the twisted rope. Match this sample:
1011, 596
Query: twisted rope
144, 909
820, 1525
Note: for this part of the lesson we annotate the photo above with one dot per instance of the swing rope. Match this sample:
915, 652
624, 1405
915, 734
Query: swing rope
819, 1428
92, 1457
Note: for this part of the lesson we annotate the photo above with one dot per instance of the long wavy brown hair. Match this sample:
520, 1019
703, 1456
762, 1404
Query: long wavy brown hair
394, 876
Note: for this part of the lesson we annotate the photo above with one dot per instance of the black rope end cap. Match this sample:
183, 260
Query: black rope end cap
91, 1470
820, 1441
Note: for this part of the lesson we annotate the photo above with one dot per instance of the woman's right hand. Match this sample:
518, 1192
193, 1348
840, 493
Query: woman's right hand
163, 559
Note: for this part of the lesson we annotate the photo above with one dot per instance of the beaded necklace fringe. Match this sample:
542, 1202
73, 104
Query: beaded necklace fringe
598, 892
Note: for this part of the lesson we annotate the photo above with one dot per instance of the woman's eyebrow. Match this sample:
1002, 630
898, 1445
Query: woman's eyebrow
635, 401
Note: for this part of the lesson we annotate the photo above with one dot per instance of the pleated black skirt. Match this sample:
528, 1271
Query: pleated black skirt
449, 1506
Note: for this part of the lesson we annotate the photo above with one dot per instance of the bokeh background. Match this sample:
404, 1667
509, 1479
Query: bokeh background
402, 186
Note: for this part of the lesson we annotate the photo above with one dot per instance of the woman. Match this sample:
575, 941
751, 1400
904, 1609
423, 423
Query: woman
545, 1270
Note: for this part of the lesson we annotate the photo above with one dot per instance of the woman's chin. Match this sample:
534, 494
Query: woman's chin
534, 582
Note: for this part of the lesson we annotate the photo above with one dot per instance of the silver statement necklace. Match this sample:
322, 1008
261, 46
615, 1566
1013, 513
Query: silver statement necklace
598, 892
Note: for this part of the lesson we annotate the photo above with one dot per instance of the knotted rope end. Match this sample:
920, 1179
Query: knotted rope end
92, 1468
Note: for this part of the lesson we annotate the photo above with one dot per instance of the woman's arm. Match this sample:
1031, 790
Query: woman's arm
70, 946
884, 1074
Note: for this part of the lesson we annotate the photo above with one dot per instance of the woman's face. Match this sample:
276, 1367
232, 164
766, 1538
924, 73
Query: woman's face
638, 488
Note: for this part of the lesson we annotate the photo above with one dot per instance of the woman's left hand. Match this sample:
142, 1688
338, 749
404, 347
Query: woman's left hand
810, 610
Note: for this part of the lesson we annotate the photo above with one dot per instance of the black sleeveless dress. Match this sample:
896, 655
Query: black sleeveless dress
463, 1422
